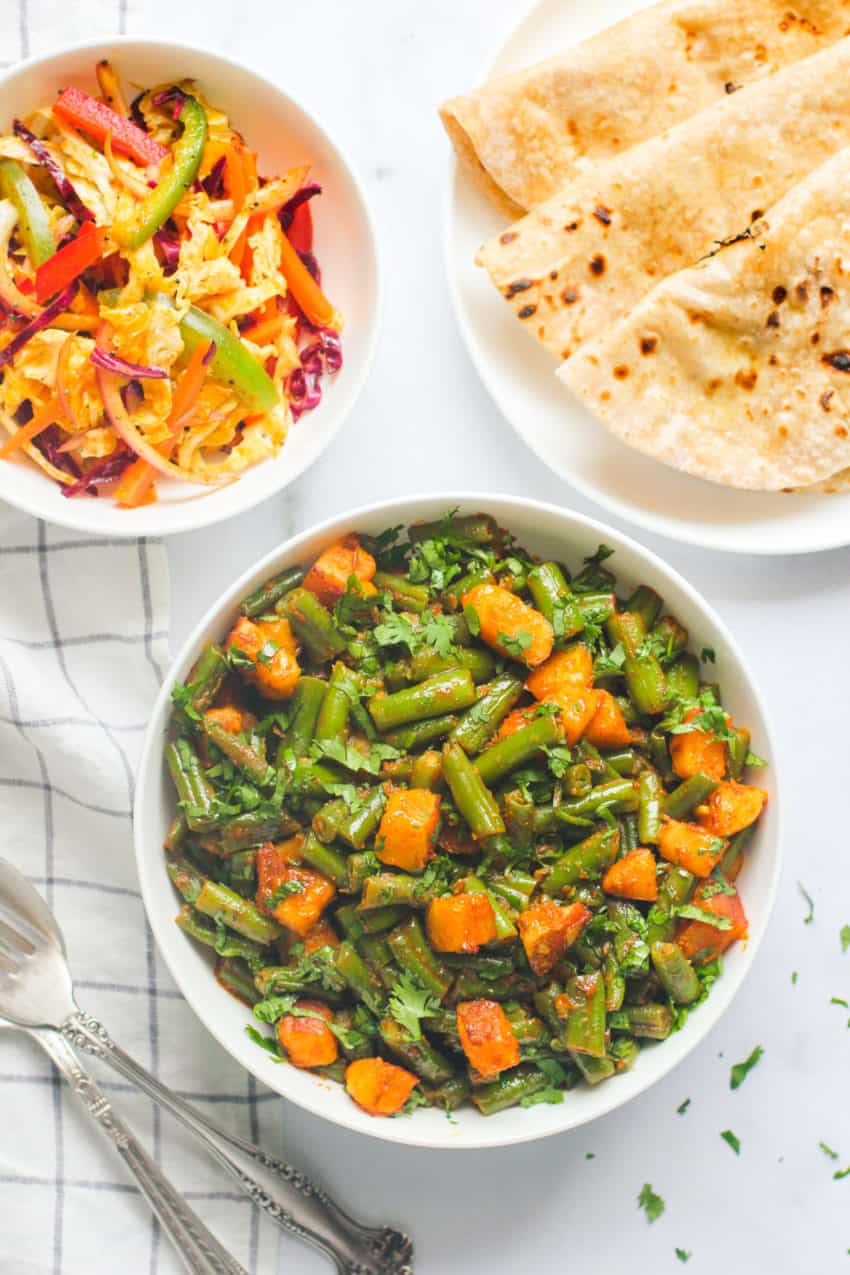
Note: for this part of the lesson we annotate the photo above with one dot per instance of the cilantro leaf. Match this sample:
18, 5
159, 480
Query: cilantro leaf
652, 1204
833, 1155
515, 644
409, 1004
753, 759
550, 1095
683, 1106
708, 655
265, 1042
558, 758
694, 913
397, 630
844, 936
841, 1173
732, 1139
267, 652
683, 1254
472, 621
610, 663
810, 915
741, 1070
283, 891
438, 631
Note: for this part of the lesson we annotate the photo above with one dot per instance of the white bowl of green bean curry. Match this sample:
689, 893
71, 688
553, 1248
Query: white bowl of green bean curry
466, 808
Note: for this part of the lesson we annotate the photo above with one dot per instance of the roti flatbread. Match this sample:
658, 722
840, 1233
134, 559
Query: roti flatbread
737, 370
524, 135
583, 259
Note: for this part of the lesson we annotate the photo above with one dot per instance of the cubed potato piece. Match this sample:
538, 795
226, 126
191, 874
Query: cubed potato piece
700, 940
329, 575
501, 614
733, 807
547, 930
698, 752
301, 910
487, 1038
566, 680
308, 1041
633, 876
408, 828
460, 922
379, 1087
607, 728
273, 652
690, 846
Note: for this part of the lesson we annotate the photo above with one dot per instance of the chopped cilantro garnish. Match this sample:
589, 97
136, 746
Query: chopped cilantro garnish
708, 655
741, 1070
733, 1140
397, 630
833, 1155
550, 1095
610, 663
844, 936
683, 1254
283, 891
267, 652
841, 1173
810, 915
652, 1204
409, 1003
515, 644
472, 621
265, 1042
438, 631
694, 913
683, 1106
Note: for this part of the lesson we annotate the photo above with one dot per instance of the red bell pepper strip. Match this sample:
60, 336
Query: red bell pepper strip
69, 262
97, 119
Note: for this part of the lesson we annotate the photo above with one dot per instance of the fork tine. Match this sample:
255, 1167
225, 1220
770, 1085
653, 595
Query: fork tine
13, 922
8, 965
13, 938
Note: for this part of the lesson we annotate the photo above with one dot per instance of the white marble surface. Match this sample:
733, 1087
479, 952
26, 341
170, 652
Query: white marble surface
425, 423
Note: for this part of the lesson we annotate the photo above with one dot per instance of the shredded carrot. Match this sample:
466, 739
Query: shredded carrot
63, 389
110, 87
135, 487
135, 185
235, 177
305, 290
268, 330
44, 416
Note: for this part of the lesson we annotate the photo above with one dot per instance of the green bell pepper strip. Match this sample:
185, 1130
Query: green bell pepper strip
33, 222
232, 363
157, 207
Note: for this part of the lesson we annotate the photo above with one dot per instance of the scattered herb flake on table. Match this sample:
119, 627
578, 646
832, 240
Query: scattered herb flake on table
734, 1141
652, 1204
810, 915
833, 1155
684, 1255
741, 1070
683, 1106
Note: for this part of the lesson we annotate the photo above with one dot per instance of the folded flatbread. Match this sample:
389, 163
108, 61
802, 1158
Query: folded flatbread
583, 259
738, 369
526, 134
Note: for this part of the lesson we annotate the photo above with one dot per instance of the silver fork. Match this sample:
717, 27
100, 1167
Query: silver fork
36, 994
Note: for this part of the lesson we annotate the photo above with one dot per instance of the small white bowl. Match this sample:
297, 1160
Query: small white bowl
544, 530
284, 133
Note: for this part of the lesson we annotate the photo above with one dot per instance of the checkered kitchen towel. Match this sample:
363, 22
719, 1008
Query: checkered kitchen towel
83, 646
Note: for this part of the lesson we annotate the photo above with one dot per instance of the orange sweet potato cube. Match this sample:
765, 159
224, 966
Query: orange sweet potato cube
308, 1041
322, 934
690, 846
607, 728
408, 828
271, 647
501, 614
487, 1037
299, 911
379, 1087
329, 575
703, 941
732, 807
698, 752
566, 679
228, 717
633, 876
460, 922
547, 930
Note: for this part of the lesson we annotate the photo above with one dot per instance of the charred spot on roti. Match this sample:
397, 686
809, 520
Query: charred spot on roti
746, 378
597, 264
518, 285
569, 296
605, 395
730, 87
773, 360
827, 295
815, 338
572, 128
825, 400
779, 294
840, 431
621, 371
509, 236
839, 359
802, 292
756, 215
712, 385
773, 319
572, 226
526, 312
553, 274
648, 344
782, 431
603, 214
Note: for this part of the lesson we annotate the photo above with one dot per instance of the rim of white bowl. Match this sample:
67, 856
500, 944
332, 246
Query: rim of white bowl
404, 1132
201, 512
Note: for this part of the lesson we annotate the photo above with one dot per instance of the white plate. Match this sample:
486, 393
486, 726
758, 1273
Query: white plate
284, 133
547, 531
521, 376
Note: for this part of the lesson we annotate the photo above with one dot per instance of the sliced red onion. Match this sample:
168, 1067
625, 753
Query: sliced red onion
48, 443
61, 181
213, 183
103, 471
322, 357
167, 241
123, 367
132, 396
43, 320
173, 97
300, 197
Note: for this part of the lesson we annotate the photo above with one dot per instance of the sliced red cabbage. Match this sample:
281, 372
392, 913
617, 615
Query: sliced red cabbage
103, 471
300, 197
321, 357
43, 320
167, 241
48, 443
213, 183
173, 97
123, 367
136, 112
61, 181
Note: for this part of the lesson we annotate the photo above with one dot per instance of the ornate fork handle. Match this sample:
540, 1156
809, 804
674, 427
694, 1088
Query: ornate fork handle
197, 1247
286, 1194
